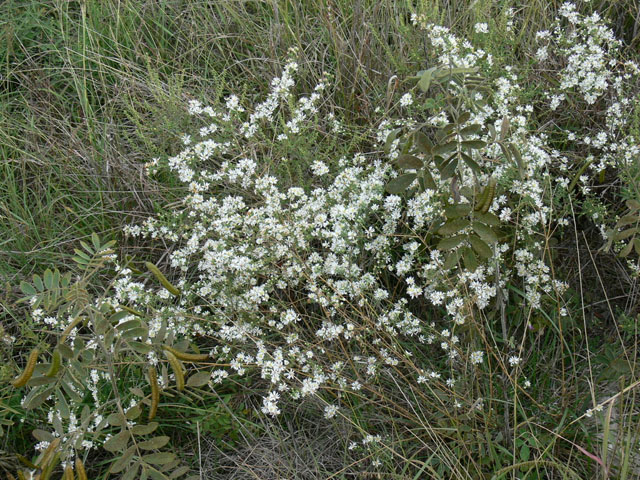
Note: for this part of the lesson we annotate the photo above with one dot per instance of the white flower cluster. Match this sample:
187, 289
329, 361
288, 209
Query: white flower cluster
286, 277
314, 290
585, 47
591, 68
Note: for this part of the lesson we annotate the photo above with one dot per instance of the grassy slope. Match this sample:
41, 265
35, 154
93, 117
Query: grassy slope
91, 90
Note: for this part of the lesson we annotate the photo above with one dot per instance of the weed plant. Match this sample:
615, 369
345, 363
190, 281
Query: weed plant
419, 240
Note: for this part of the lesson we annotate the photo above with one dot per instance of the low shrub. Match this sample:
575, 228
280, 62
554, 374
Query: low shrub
411, 292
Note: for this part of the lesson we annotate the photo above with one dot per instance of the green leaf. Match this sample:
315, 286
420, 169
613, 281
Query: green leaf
178, 472
140, 347
170, 466
157, 475
430, 103
124, 461
63, 405
116, 419
409, 161
82, 255
422, 142
135, 323
625, 233
621, 366
525, 453
448, 170
471, 163
447, 71
56, 421
144, 429
516, 155
141, 332
425, 79
504, 129
38, 380
199, 379
154, 443
446, 148
487, 218
118, 442
450, 243
471, 129
444, 132
132, 472
452, 259
492, 132
470, 260
37, 281
633, 205
116, 317
37, 397
427, 179
48, 279
87, 248
65, 351
453, 226
160, 458
505, 152
463, 118
627, 249
42, 435
95, 240
480, 246
69, 390
406, 143
133, 413
457, 210
27, 289
628, 220
390, 138
399, 184
485, 232
473, 144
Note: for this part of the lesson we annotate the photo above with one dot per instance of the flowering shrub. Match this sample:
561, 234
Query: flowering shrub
412, 280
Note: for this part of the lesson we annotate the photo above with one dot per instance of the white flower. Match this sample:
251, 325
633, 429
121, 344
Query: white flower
555, 101
542, 54
406, 100
233, 103
477, 357
319, 168
330, 411
270, 404
481, 28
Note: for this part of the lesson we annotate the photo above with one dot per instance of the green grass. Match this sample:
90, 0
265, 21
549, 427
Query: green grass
91, 90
